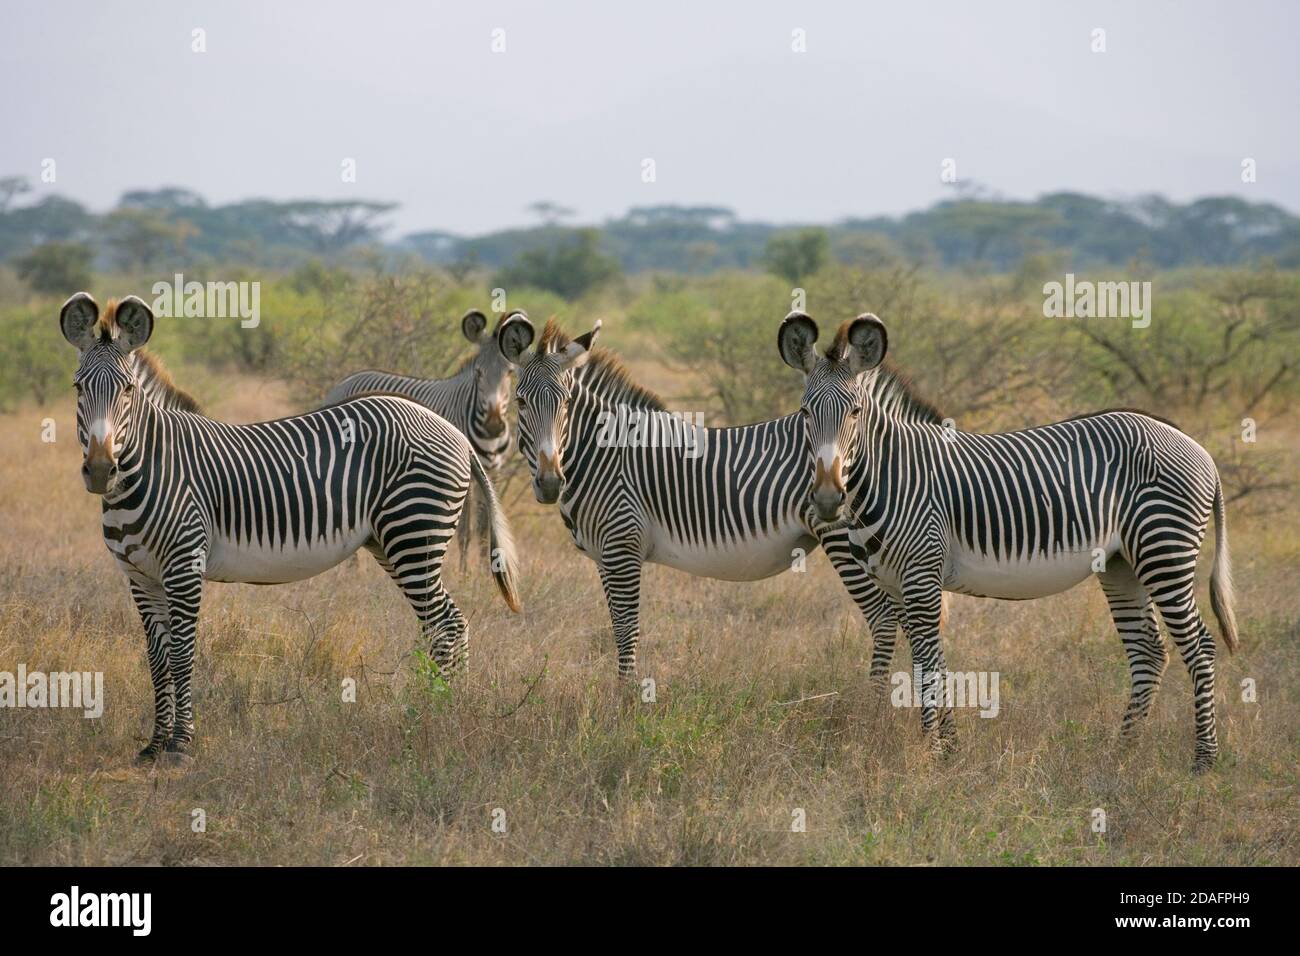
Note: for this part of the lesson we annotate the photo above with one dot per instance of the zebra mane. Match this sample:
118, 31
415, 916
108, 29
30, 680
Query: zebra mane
604, 373
158, 385
893, 391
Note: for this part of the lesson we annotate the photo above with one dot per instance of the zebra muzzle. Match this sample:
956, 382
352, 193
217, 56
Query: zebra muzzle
549, 480
828, 489
494, 424
99, 470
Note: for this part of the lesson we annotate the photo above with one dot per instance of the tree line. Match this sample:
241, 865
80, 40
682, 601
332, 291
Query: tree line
52, 241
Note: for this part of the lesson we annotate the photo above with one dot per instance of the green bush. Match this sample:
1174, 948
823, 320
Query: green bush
723, 329
569, 268
57, 268
37, 362
794, 256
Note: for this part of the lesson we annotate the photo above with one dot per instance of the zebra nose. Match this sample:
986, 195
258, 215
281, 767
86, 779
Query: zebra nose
547, 487
827, 502
828, 488
549, 479
99, 475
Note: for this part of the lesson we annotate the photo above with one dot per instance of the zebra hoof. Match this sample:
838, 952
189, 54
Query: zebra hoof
944, 748
147, 756
1204, 764
176, 754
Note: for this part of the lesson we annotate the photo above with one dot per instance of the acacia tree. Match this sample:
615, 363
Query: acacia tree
331, 227
550, 212
11, 186
143, 238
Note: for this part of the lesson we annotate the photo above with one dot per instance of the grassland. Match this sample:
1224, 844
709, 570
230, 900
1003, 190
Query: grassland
762, 708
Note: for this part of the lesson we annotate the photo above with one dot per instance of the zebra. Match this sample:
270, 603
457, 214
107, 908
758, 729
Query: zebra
188, 499
474, 399
1121, 494
726, 503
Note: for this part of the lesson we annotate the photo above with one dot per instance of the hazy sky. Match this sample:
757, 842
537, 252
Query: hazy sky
465, 138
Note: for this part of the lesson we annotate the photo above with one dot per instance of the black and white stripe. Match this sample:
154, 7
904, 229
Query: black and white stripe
737, 510
474, 399
1019, 515
188, 499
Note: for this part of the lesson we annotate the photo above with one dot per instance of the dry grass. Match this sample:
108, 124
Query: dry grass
585, 772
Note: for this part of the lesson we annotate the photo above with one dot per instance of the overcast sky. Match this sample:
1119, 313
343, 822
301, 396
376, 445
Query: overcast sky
465, 138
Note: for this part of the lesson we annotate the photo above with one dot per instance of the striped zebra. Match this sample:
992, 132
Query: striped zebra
474, 398
1121, 494
727, 503
188, 499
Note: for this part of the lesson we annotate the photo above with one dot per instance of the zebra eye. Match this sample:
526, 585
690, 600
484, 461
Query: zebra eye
519, 400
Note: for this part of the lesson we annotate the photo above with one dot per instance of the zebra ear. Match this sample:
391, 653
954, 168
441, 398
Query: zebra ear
514, 335
866, 343
77, 320
795, 339
578, 351
135, 320
472, 324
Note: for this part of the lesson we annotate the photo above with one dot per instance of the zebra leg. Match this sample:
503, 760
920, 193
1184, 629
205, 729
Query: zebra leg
1165, 562
1195, 644
1134, 614
620, 576
879, 610
417, 571
151, 602
373, 547
448, 642
184, 594
923, 608
443, 625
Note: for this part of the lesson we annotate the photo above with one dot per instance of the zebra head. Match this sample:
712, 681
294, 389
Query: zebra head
833, 397
491, 376
545, 388
106, 381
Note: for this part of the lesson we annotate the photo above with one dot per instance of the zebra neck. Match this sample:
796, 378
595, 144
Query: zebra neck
442, 394
589, 411
465, 373
874, 477
143, 450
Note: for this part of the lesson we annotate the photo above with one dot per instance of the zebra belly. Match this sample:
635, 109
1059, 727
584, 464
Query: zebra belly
249, 563
982, 575
748, 560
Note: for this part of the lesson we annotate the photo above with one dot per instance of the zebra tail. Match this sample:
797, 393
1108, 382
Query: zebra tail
1221, 594
501, 543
